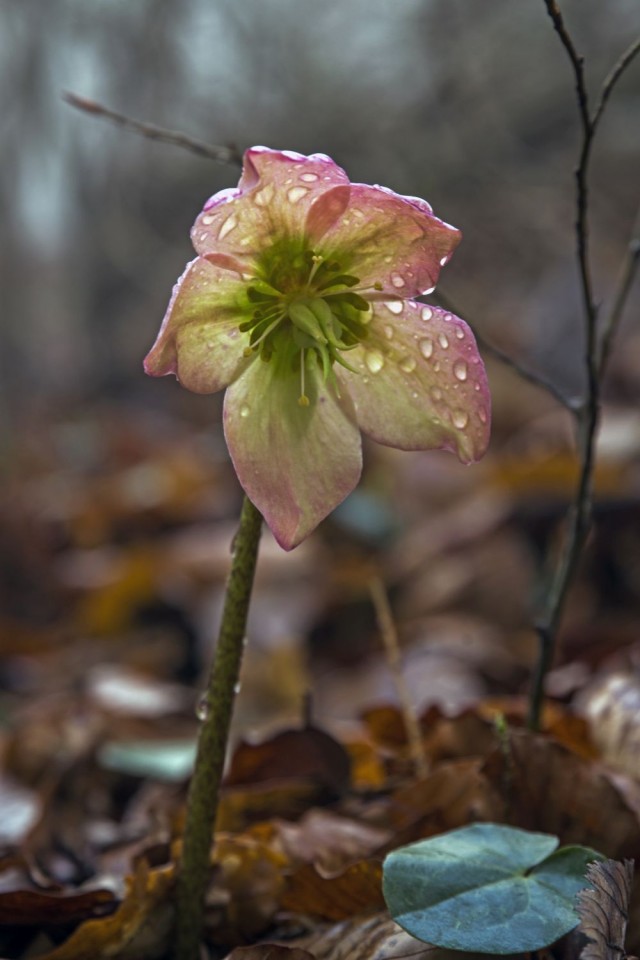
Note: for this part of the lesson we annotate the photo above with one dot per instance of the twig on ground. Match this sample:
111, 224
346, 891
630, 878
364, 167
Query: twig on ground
229, 154
389, 635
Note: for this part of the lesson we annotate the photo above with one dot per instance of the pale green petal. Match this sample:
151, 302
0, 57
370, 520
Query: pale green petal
295, 463
391, 243
421, 383
199, 340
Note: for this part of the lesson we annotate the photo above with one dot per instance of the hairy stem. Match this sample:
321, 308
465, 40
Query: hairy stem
202, 804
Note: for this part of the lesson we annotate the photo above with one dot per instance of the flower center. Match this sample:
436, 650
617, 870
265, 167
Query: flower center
305, 312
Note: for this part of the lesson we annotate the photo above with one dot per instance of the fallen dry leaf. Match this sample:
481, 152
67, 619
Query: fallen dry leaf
357, 889
604, 910
308, 753
139, 928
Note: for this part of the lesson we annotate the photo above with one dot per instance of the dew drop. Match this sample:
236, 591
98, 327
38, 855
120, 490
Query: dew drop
443, 340
358, 213
415, 395
397, 280
427, 313
459, 333
208, 218
460, 419
202, 707
443, 261
395, 306
204, 235
476, 386
436, 367
482, 413
426, 348
374, 361
436, 393
408, 364
230, 224
388, 332
460, 370
297, 193
264, 197
245, 410
237, 687
309, 177
388, 259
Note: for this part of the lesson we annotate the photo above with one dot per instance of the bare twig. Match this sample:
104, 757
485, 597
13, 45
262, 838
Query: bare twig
389, 634
616, 72
579, 520
537, 379
229, 155
626, 275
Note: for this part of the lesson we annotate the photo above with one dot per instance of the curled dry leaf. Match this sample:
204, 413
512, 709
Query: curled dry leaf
604, 910
269, 951
612, 708
139, 928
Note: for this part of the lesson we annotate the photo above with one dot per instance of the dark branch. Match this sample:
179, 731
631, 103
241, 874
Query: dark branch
230, 155
613, 77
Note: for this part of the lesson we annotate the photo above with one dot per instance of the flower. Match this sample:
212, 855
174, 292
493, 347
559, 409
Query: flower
300, 303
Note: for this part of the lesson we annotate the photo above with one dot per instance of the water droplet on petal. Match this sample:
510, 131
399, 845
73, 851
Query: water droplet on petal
374, 360
460, 419
426, 348
297, 193
207, 219
443, 340
237, 687
443, 261
309, 177
436, 393
395, 306
230, 224
245, 410
397, 280
436, 367
482, 413
427, 313
448, 317
460, 370
459, 333
415, 395
388, 332
204, 235
388, 259
408, 364
264, 197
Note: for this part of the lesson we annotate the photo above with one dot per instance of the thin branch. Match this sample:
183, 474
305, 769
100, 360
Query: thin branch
537, 379
229, 155
579, 520
577, 62
611, 80
389, 634
624, 282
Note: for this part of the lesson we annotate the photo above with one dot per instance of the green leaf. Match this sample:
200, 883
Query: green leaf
486, 888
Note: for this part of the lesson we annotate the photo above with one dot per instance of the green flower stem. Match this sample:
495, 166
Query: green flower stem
202, 804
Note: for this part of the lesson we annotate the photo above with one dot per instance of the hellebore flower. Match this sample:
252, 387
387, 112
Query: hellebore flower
299, 303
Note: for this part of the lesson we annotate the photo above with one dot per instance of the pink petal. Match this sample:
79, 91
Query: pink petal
276, 193
199, 340
422, 384
295, 463
392, 240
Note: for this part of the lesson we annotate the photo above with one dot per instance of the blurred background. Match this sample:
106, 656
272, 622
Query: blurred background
119, 501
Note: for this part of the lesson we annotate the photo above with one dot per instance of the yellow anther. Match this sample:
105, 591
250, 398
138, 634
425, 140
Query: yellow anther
303, 401
247, 351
